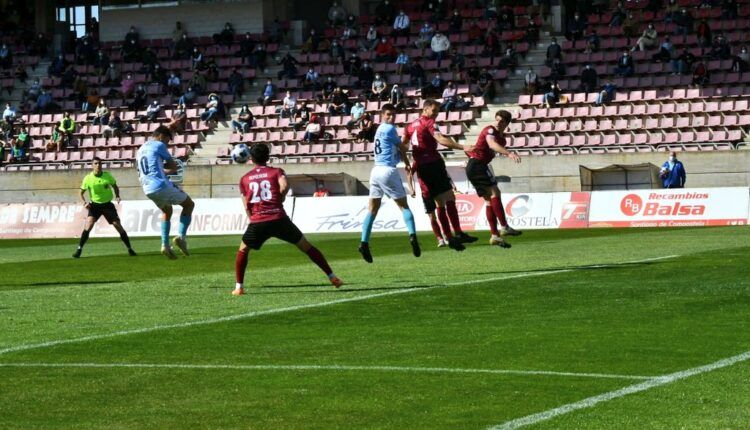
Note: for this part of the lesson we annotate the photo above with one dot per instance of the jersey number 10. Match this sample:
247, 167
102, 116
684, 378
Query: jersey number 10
260, 191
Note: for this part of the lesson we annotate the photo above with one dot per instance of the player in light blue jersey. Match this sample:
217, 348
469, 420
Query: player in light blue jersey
154, 162
385, 180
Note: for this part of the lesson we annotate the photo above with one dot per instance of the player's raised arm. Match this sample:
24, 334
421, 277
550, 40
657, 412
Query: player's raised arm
449, 142
495, 146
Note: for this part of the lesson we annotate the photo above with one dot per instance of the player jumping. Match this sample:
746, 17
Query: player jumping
263, 192
152, 159
480, 174
424, 138
429, 206
385, 180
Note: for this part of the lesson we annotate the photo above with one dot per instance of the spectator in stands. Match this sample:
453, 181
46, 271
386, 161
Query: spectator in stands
619, 14
80, 91
214, 109
33, 91
312, 42
666, 51
21, 74
671, 11
67, 128
268, 94
339, 104
741, 61
385, 12
402, 61
112, 74
127, 86
455, 23
554, 51
337, 52
174, 85
366, 76
425, 35
288, 67
288, 105
576, 27
630, 27
440, 46
18, 152
313, 129
132, 35
531, 81
188, 97
157, 76
336, 14
178, 122
260, 56
6, 57
320, 189
23, 139
178, 32
152, 112
9, 114
385, 51
401, 25
327, 89
101, 114
672, 172
247, 50
378, 89
348, 33
196, 57
683, 63
40, 45
593, 42
139, 98
68, 76
367, 128
353, 65
509, 60
684, 22
607, 94
101, 63
58, 66
729, 9
485, 85
557, 69
701, 74
85, 52
183, 48
371, 39
236, 83
703, 31
550, 98
356, 112
311, 80
647, 39
720, 49
474, 33
54, 143
131, 52
226, 36
397, 98
115, 126
301, 117
44, 103
589, 79
417, 75
244, 121
92, 100
625, 65
434, 88
449, 96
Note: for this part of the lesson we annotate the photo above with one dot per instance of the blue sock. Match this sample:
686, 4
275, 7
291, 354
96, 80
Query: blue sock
184, 224
367, 227
409, 220
165, 227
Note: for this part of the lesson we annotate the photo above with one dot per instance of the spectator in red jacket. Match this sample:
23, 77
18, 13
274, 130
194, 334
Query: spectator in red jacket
384, 51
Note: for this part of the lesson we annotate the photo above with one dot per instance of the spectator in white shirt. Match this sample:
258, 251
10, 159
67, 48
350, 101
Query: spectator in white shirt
401, 25
440, 46
289, 105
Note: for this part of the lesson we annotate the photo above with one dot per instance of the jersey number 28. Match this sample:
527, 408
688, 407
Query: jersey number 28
260, 191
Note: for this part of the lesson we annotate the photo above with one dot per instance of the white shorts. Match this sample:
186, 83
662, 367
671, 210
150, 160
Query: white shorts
169, 195
385, 180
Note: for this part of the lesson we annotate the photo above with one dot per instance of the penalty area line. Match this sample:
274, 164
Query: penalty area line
323, 367
612, 395
273, 311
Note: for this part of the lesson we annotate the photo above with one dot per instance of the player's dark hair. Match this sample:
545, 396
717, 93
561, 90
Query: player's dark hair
388, 107
430, 103
96, 159
505, 115
162, 131
260, 153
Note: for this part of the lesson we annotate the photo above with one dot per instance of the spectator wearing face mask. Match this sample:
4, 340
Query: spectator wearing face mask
673, 172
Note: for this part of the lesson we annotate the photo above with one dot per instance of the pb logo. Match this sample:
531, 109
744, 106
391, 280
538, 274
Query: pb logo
631, 204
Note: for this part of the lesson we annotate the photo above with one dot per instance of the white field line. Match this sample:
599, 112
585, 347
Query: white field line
318, 367
636, 388
301, 307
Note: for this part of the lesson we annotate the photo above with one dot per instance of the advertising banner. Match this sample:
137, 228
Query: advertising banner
670, 207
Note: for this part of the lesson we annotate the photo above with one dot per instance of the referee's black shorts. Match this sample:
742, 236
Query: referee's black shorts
481, 176
258, 233
107, 210
435, 178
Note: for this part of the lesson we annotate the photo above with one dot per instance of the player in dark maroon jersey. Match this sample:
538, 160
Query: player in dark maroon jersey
424, 138
263, 191
479, 172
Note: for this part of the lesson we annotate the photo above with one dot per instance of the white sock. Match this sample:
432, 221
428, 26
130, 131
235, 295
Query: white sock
238, 286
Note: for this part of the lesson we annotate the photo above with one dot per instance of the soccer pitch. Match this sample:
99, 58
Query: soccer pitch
589, 329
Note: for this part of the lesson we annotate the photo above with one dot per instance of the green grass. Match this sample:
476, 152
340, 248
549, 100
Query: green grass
588, 302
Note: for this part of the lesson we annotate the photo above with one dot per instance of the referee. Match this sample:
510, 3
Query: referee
102, 187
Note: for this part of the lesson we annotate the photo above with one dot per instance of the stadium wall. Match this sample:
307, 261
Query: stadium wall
533, 174
201, 19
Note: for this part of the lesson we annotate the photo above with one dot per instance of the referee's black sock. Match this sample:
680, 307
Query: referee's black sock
125, 239
84, 238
